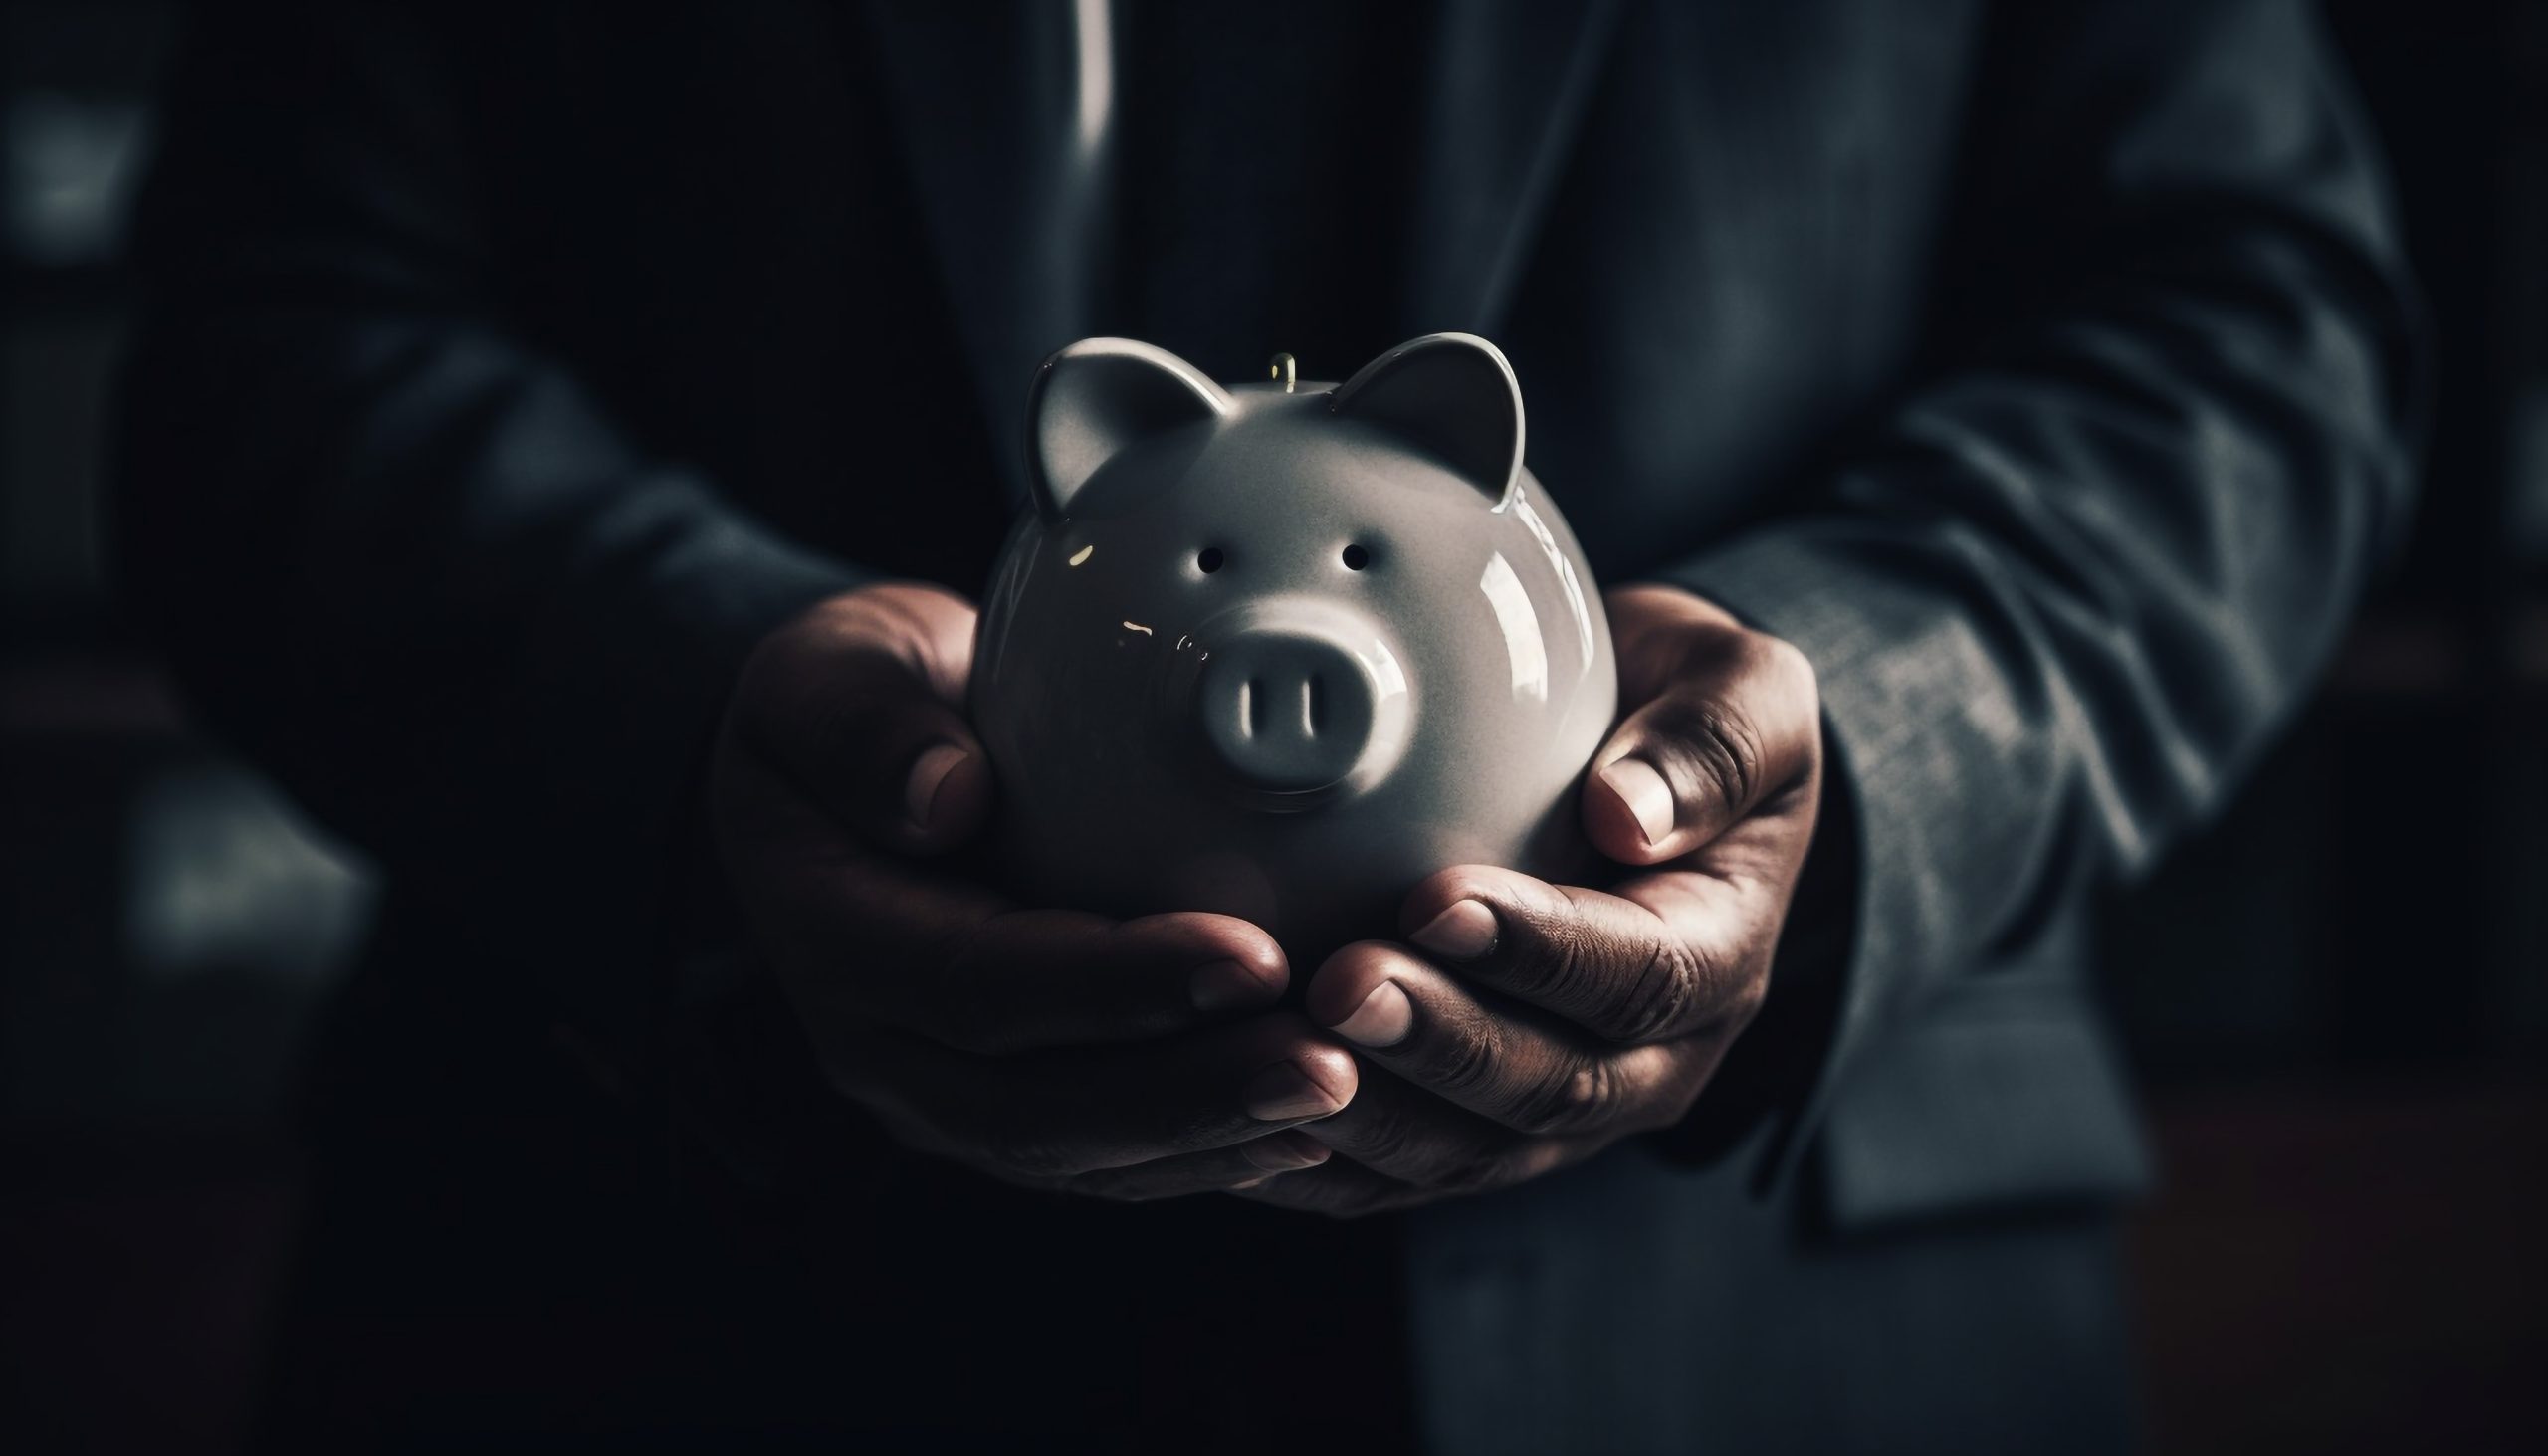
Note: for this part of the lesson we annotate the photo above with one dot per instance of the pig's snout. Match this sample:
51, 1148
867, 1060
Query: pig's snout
1293, 707
1286, 711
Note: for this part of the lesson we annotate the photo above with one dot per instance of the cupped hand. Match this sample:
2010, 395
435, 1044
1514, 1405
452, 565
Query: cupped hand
1525, 1025
1131, 1059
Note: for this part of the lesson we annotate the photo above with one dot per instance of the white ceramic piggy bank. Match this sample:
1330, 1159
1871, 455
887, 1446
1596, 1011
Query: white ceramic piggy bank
1282, 651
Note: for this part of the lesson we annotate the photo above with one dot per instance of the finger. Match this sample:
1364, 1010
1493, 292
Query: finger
1061, 1114
1042, 978
1338, 1188
1734, 725
1402, 1131
860, 705
1669, 955
863, 934
1249, 1164
1021, 979
1504, 1062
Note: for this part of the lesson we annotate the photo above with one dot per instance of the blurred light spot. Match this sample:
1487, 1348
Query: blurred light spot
1092, 32
222, 877
1082, 554
73, 164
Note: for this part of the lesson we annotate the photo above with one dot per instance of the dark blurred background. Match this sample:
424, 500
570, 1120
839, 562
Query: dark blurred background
2337, 998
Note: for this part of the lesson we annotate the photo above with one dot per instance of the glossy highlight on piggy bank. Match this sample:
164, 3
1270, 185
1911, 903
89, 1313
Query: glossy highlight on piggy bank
1281, 651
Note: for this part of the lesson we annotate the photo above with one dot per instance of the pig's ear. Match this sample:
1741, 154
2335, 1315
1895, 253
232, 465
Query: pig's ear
1099, 396
1454, 395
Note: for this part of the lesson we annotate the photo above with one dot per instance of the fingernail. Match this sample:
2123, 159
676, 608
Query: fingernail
1382, 1021
929, 770
1647, 796
1283, 1092
1226, 986
1465, 931
1284, 1153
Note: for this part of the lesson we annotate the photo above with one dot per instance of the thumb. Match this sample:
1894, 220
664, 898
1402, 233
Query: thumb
859, 703
1729, 736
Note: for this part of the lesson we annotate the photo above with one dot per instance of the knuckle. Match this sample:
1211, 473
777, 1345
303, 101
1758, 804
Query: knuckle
1428, 1162
1472, 1058
1728, 753
1575, 953
1712, 746
1564, 955
1595, 1095
1388, 1143
1661, 994
1787, 662
1583, 1096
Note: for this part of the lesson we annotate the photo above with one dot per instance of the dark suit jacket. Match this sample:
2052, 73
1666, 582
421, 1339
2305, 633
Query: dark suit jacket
2045, 372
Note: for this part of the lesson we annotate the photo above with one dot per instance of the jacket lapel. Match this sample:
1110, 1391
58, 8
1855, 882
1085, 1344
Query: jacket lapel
1004, 130
1509, 84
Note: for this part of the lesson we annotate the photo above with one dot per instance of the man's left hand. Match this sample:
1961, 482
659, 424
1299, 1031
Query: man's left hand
1529, 1025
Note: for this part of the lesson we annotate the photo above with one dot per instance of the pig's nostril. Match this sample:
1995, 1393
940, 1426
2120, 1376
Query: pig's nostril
1291, 710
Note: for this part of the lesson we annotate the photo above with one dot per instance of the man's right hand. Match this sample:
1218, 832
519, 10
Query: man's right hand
1130, 1059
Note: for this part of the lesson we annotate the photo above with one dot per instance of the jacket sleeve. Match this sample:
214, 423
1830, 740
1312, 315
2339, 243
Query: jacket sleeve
396, 553
2064, 593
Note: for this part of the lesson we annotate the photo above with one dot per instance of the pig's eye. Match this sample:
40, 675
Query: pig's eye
1355, 558
1210, 561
